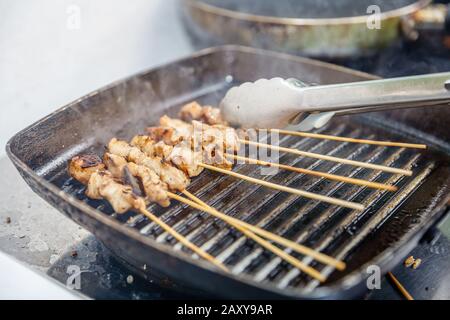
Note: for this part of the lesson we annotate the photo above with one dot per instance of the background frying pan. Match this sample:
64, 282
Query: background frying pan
319, 28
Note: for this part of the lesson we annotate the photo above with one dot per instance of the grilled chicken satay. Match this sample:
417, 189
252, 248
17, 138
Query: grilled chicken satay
174, 131
223, 136
148, 181
181, 155
206, 114
173, 177
150, 147
82, 167
212, 140
102, 185
171, 131
213, 154
215, 141
89, 170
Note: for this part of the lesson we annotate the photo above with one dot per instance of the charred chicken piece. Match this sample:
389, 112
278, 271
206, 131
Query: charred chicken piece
83, 166
207, 114
212, 116
180, 155
150, 147
115, 164
210, 141
171, 131
121, 197
165, 134
220, 135
101, 184
146, 179
173, 177
191, 111
174, 131
186, 160
213, 155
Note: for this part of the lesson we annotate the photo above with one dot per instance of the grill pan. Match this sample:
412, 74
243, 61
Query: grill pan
382, 235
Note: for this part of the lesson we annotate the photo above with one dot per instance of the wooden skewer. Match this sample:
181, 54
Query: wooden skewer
183, 240
306, 194
330, 158
400, 287
340, 265
345, 139
330, 176
277, 251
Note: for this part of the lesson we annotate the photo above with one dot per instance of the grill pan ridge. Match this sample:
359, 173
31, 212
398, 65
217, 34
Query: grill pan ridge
382, 234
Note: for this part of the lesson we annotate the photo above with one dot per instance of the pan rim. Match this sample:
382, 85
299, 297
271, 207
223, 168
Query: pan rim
361, 19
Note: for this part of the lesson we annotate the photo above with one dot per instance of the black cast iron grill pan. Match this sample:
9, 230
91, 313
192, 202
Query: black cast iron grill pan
391, 226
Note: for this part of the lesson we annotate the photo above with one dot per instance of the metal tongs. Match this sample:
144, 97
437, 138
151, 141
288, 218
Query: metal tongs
291, 103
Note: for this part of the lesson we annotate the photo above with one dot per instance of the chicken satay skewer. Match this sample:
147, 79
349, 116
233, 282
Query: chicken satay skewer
194, 111
177, 124
173, 177
346, 139
144, 144
173, 152
116, 163
330, 158
100, 184
190, 133
330, 176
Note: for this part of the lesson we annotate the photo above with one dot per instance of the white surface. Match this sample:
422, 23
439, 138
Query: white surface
46, 61
19, 282
54, 51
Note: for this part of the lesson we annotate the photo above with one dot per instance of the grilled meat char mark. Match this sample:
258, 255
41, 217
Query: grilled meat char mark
81, 167
100, 183
121, 197
135, 182
118, 167
143, 179
179, 155
174, 178
189, 139
171, 131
